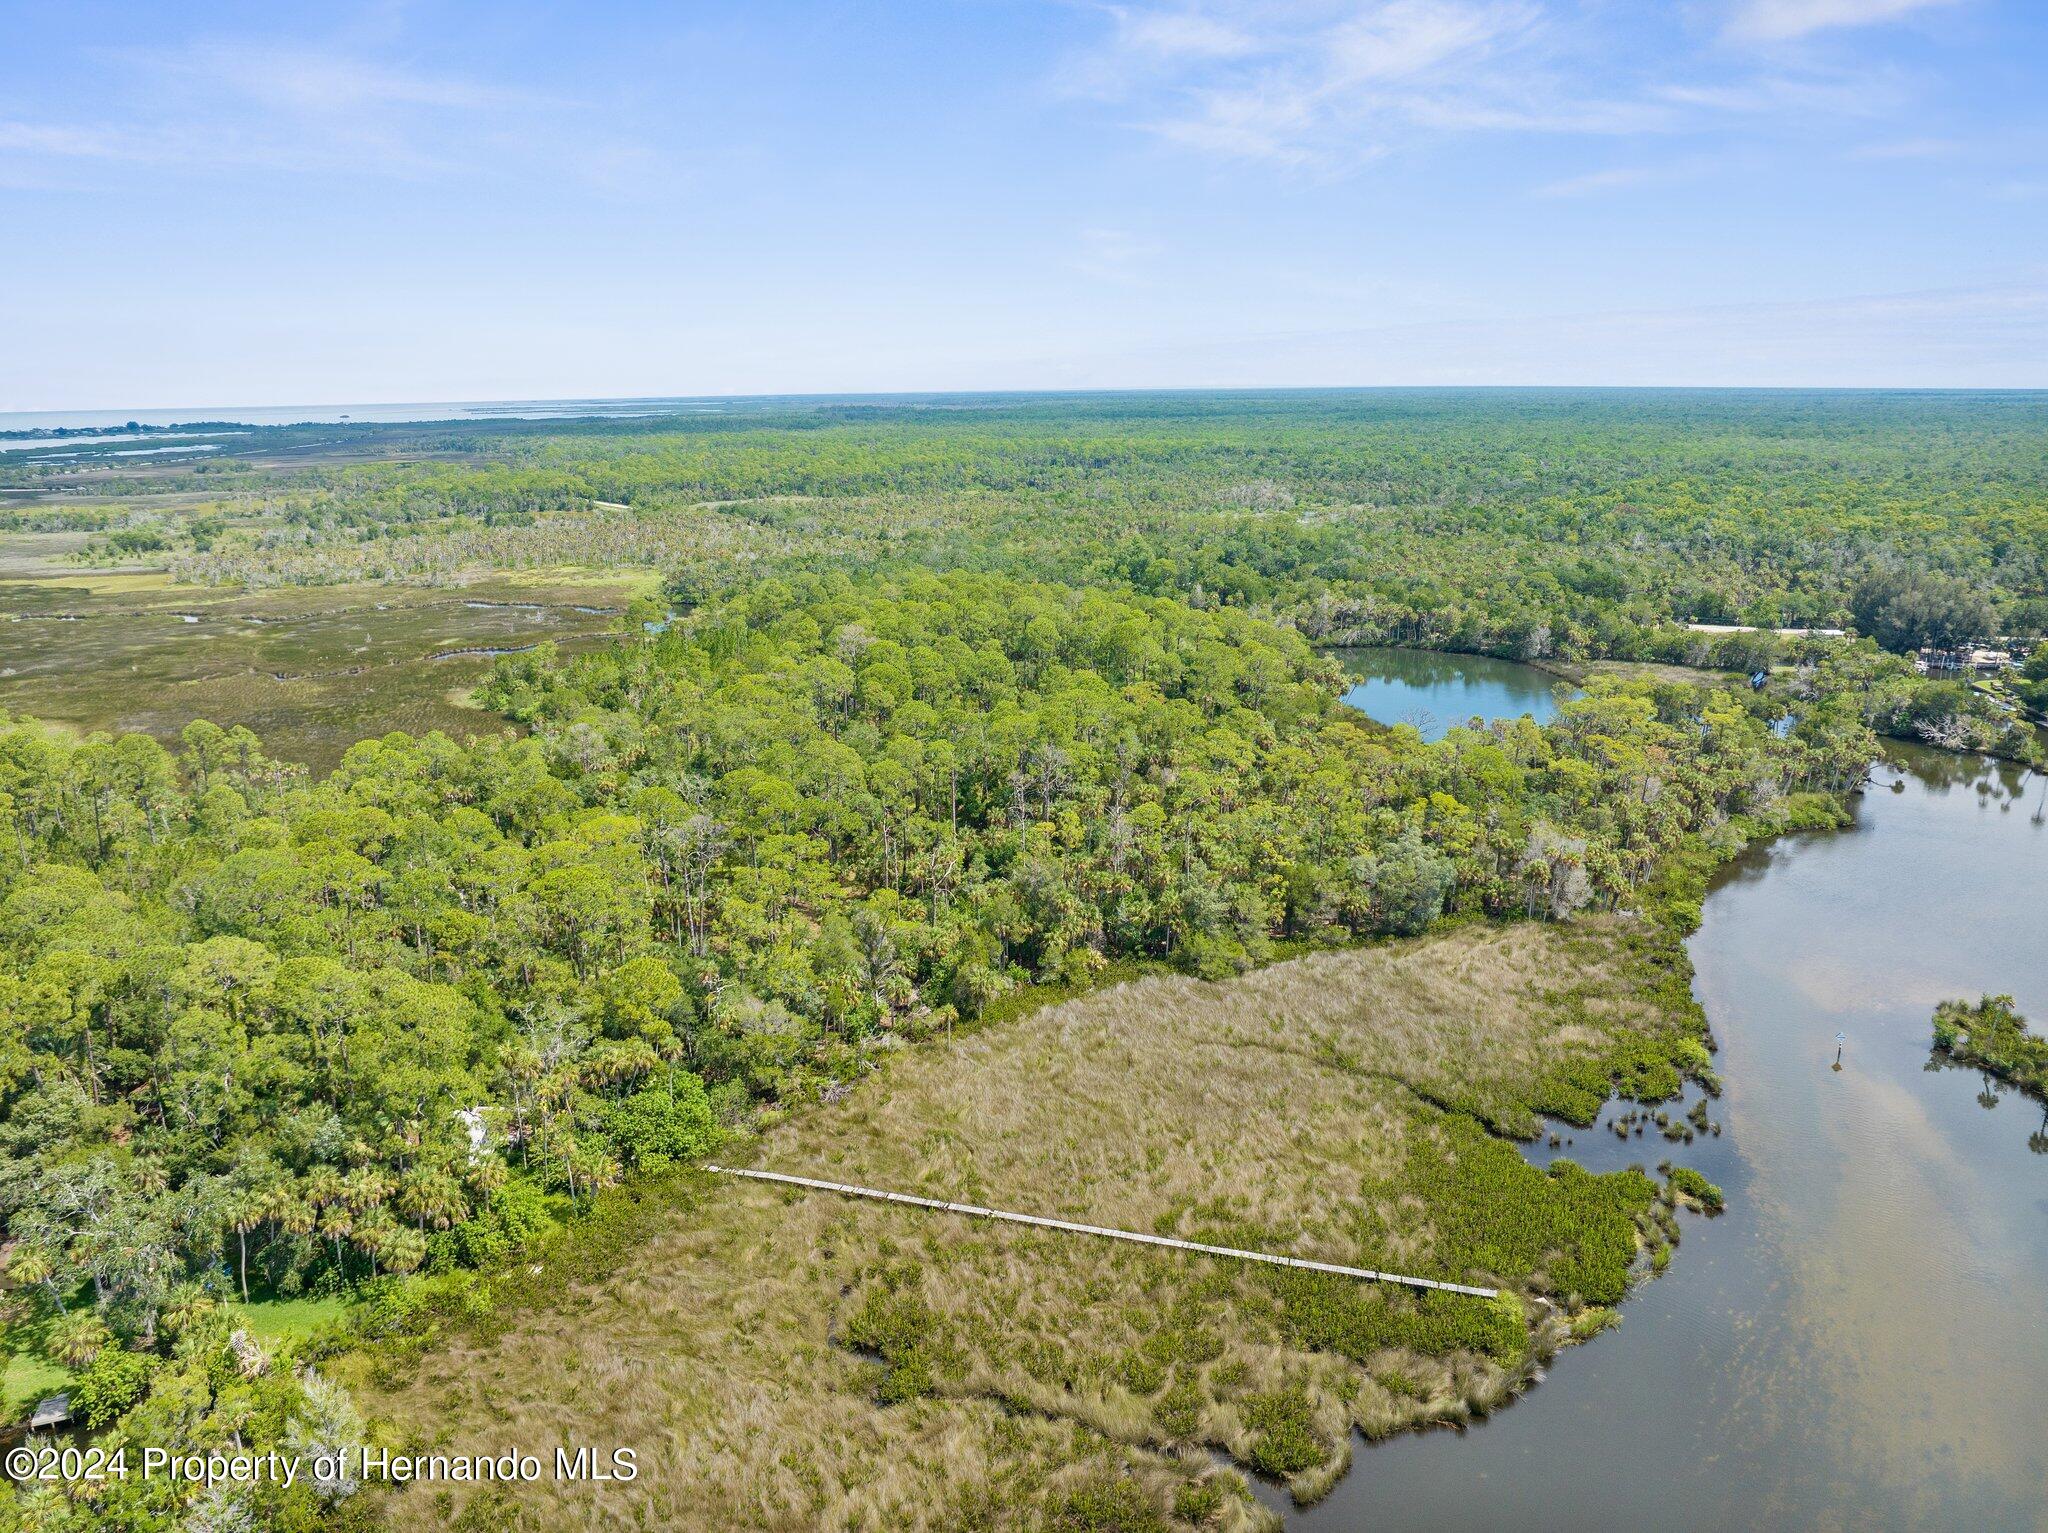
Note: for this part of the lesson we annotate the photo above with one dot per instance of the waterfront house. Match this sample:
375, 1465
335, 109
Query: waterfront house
1986, 659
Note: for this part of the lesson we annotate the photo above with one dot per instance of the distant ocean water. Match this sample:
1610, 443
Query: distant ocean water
293, 415
15, 421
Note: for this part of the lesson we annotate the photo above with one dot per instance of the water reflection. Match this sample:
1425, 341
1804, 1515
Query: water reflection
1436, 693
1862, 1340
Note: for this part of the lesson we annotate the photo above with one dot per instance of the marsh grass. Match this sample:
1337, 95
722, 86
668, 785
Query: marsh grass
784, 1359
312, 671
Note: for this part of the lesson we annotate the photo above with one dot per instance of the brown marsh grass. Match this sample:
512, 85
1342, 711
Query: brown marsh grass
1264, 1110
310, 670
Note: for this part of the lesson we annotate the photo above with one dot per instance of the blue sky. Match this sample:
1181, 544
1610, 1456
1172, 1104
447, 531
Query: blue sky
269, 204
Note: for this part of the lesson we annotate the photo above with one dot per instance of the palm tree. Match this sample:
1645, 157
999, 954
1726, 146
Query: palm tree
337, 1224
485, 1176
252, 1191
597, 1168
78, 1338
148, 1177
322, 1187
365, 1189
432, 1196
291, 1210
246, 1212
389, 1244
186, 1307
405, 1250
32, 1265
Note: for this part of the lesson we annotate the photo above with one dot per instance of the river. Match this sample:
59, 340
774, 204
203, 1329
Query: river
1862, 1340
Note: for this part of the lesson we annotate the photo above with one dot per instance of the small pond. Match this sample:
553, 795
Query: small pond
1437, 692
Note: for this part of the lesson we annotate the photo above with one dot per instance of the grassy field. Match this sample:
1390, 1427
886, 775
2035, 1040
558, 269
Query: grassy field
312, 670
793, 1360
30, 1372
287, 1319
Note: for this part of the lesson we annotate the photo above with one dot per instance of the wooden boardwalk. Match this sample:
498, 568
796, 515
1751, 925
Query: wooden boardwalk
975, 1212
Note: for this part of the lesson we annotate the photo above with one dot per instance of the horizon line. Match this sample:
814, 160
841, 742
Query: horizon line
509, 405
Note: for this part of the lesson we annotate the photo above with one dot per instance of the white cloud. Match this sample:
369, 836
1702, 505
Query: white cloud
299, 107
1268, 118
1333, 83
1300, 81
325, 81
1536, 112
1594, 182
1780, 20
159, 142
67, 141
1182, 34
1908, 149
1112, 255
1865, 93
1405, 38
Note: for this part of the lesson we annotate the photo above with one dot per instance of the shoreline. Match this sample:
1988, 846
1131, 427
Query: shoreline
1547, 1333
1578, 673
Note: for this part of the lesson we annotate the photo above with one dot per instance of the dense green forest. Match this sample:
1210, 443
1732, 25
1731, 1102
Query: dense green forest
727, 864
1560, 527
1531, 523
250, 1006
937, 705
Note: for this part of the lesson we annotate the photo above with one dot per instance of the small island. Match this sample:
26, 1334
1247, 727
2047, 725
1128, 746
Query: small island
1993, 1036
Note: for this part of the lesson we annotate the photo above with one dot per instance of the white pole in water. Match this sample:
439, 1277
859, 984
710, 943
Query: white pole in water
1840, 1039
1108, 1234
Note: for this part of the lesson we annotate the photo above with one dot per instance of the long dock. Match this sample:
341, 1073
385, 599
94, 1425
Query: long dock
973, 1211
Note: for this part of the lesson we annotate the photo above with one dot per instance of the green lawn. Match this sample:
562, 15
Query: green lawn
31, 1374
287, 1319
